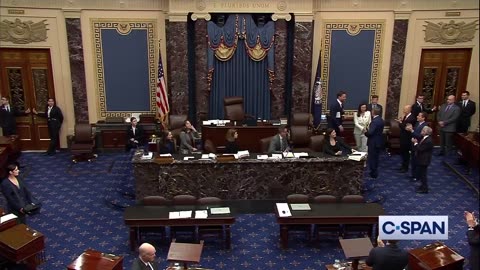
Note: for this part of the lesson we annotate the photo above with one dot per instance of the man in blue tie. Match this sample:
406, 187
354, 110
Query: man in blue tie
416, 133
447, 120
375, 141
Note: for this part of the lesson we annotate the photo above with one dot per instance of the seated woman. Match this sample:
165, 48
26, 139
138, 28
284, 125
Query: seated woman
187, 138
334, 145
231, 147
135, 135
167, 145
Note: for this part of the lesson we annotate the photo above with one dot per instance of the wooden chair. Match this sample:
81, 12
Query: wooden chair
319, 229
356, 228
302, 228
211, 231
180, 200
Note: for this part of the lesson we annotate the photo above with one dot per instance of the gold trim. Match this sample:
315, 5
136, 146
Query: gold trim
123, 27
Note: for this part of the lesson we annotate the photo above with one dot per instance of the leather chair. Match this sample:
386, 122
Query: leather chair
356, 228
233, 109
154, 201
215, 231
302, 228
300, 131
180, 200
83, 143
393, 137
264, 144
316, 143
176, 123
325, 199
209, 147
319, 229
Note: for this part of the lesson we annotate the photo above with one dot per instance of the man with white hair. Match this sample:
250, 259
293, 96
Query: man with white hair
423, 155
146, 258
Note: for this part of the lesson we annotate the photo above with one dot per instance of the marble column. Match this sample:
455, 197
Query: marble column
201, 70
396, 68
177, 64
278, 86
77, 69
302, 66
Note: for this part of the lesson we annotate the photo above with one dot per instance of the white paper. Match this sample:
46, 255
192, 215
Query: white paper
262, 156
206, 123
149, 156
302, 154
174, 215
166, 155
204, 156
283, 210
186, 214
187, 158
288, 154
277, 156
358, 156
338, 115
300, 206
244, 153
7, 218
212, 155
220, 210
201, 214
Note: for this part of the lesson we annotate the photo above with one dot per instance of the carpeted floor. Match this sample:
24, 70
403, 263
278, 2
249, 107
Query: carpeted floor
82, 209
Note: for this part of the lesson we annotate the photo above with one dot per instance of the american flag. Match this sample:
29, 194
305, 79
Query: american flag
162, 99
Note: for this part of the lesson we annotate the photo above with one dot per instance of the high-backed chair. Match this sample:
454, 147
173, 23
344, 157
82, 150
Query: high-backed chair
214, 231
316, 143
320, 229
154, 200
233, 109
356, 228
264, 144
300, 131
83, 143
209, 147
302, 228
176, 123
180, 200
393, 137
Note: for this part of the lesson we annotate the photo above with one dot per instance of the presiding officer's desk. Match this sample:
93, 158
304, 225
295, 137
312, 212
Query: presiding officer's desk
248, 179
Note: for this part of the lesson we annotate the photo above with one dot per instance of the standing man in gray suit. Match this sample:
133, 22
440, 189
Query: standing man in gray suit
447, 120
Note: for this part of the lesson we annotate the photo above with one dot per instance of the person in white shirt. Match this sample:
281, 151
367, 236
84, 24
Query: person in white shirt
146, 258
361, 120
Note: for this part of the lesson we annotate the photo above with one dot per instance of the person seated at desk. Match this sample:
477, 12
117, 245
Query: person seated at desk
388, 256
231, 147
334, 145
135, 135
146, 258
279, 142
187, 138
167, 144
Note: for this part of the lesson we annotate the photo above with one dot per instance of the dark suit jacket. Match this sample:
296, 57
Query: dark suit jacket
138, 136
423, 151
8, 121
56, 117
341, 146
17, 198
334, 122
369, 108
474, 242
375, 133
389, 257
417, 129
406, 136
139, 265
231, 147
466, 113
276, 145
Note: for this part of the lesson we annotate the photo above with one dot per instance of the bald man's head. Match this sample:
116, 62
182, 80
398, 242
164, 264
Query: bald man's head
147, 252
451, 99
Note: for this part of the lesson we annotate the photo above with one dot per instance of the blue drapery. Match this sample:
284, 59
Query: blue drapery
240, 63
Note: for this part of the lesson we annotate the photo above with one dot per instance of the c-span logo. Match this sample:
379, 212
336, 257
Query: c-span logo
413, 227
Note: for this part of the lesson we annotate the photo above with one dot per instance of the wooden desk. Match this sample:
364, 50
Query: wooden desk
185, 253
469, 145
435, 256
355, 249
22, 244
139, 216
94, 260
331, 214
113, 136
248, 137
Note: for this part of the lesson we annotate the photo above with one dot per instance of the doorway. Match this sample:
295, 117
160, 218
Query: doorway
443, 72
26, 79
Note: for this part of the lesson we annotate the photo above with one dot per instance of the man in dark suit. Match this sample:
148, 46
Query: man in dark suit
423, 156
388, 256
416, 133
146, 258
337, 112
54, 121
473, 235
418, 106
7, 117
279, 142
467, 109
447, 117
135, 135
406, 136
375, 104
375, 141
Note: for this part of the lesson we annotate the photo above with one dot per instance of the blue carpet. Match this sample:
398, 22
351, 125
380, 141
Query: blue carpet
82, 209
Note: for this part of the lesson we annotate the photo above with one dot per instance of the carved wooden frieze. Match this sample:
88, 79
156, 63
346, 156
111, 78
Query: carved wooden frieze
23, 32
450, 33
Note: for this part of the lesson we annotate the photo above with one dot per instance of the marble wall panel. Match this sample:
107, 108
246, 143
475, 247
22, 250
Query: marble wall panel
396, 68
77, 69
177, 64
302, 66
201, 70
278, 86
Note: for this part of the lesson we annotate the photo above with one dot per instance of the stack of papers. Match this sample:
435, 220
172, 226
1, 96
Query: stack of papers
242, 154
201, 214
187, 158
209, 156
165, 155
300, 206
220, 210
302, 154
276, 156
148, 156
358, 156
283, 210
180, 214
262, 156
7, 218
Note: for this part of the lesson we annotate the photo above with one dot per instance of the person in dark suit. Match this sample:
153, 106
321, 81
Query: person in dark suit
375, 104
167, 144
337, 112
416, 133
467, 110
334, 145
375, 141
447, 117
279, 142
423, 155
7, 117
418, 106
135, 135
231, 137
406, 136
146, 258
16, 193
54, 120
473, 236
387, 256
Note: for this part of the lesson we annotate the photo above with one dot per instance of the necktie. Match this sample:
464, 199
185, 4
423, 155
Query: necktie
448, 108
464, 103
374, 106
421, 107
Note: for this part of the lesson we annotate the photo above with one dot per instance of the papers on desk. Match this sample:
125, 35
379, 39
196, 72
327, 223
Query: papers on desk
276, 156
300, 206
165, 155
187, 158
216, 122
302, 154
201, 214
242, 154
147, 156
180, 214
358, 156
262, 156
220, 210
208, 156
288, 154
283, 210
7, 218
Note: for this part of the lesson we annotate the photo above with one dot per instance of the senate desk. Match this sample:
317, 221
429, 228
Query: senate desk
247, 179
